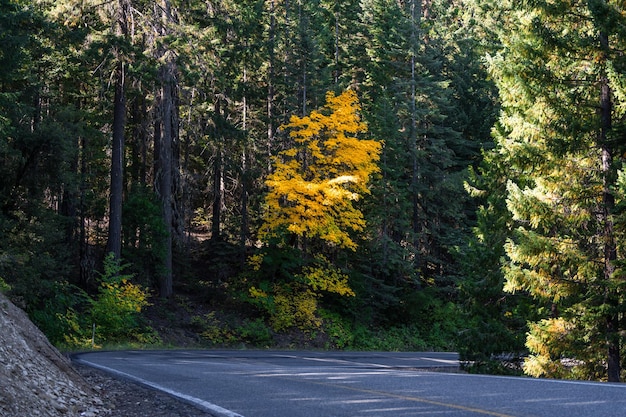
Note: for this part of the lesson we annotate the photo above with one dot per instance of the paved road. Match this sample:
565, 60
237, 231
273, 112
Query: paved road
349, 384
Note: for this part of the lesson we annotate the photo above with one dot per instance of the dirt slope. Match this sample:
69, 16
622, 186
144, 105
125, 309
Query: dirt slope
35, 379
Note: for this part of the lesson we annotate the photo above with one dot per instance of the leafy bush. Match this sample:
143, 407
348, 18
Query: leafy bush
75, 336
59, 318
144, 233
73, 319
295, 308
338, 330
294, 301
115, 310
212, 330
256, 333
4, 287
400, 338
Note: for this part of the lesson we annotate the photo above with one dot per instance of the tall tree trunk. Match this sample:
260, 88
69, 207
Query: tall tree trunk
114, 243
270, 80
163, 174
244, 174
218, 193
138, 110
302, 28
164, 179
178, 215
336, 71
414, 141
82, 253
608, 204
244, 205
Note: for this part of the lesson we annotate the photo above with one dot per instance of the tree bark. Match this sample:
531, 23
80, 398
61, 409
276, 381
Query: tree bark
163, 173
609, 177
218, 191
244, 177
414, 141
270, 81
114, 242
164, 180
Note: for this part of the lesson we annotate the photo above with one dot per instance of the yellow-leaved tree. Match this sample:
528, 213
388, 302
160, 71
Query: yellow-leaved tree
315, 183
310, 204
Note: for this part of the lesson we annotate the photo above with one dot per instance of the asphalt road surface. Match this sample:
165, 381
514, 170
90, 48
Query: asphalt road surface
351, 384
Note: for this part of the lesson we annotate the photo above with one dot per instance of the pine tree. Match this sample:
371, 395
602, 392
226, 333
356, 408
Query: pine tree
120, 23
167, 140
46, 130
495, 321
559, 85
413, 102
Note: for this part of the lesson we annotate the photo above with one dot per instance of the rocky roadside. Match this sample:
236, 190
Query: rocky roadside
35, 379
38, 381
126, 399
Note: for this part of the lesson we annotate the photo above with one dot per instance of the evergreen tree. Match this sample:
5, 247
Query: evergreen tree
495, 320
40, 130
415, 104
120, 23
558, 73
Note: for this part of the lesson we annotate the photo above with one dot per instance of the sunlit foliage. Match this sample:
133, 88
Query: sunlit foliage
316, 182
559, 126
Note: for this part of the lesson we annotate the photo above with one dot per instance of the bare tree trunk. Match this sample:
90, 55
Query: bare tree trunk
83, 249
414, 142
609, 177
178, 225
164, 180
114, 243
165, 146
139, 146
218, 191
336, 72
244, 206
270, 80
303, 60
244, 176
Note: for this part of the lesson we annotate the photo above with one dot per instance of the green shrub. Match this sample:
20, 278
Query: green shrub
256, 333
212, 330
115, 310
59, 316
338, 330
293, 300
295, 307
393, 339
4, 287
78, 334
144, 233
288, 305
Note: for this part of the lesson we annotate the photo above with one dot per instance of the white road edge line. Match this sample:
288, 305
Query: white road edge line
210, 407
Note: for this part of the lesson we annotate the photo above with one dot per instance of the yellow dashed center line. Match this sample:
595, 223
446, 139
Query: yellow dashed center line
417, 399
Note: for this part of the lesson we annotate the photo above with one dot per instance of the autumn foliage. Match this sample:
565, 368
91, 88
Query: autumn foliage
312, 193
315, 182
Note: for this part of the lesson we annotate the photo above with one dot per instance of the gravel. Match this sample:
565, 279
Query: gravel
38, 381
124, 398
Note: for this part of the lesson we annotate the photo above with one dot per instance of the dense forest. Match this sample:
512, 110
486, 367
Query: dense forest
359, 174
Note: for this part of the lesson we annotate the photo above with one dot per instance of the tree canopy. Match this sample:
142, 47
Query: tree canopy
442, 174
556, 72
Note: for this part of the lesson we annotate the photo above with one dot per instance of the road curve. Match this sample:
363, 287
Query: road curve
350, 384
